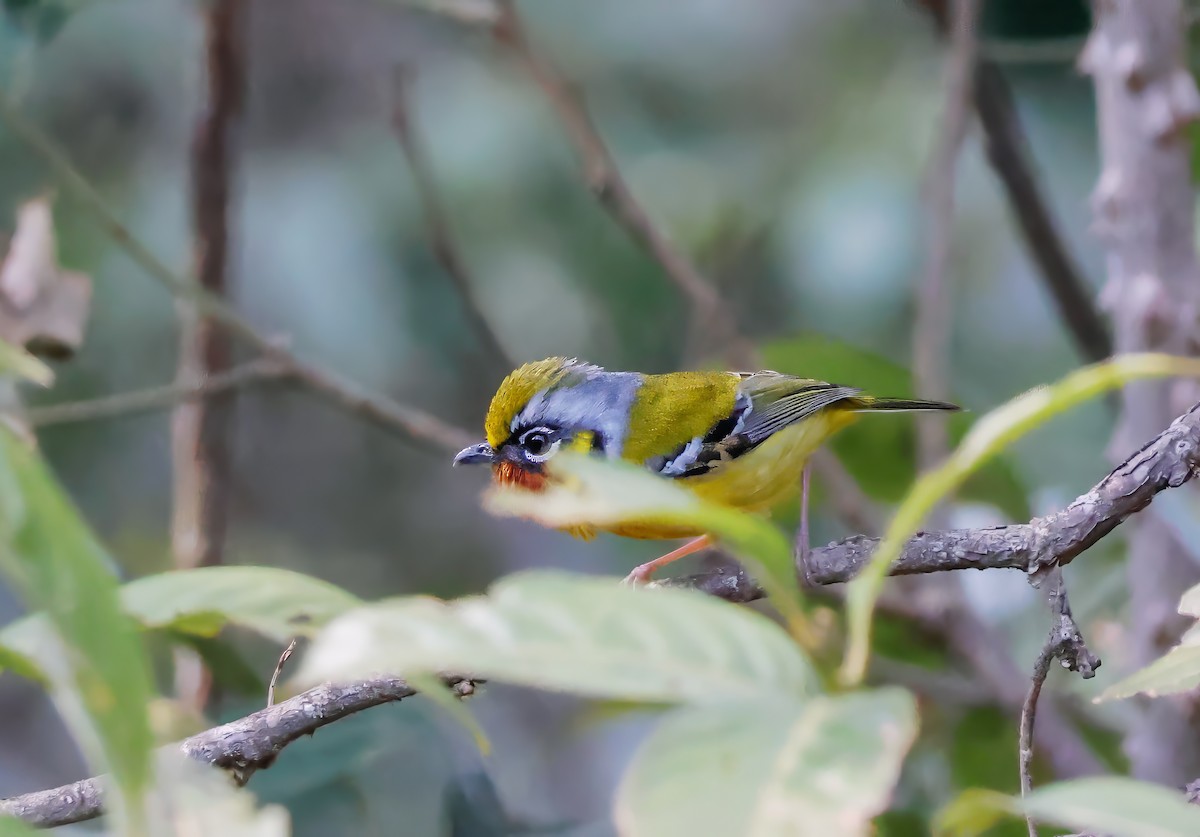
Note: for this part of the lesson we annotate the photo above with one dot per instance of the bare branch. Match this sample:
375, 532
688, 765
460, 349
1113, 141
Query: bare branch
241, 747
437, 226
200, 427
200, 460
1006, 151
157, 398
931, 329
604, 180
1065, 642
417, 425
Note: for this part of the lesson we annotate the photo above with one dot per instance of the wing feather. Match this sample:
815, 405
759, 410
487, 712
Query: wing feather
766, 403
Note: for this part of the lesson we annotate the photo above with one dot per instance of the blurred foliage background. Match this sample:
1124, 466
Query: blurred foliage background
782, 142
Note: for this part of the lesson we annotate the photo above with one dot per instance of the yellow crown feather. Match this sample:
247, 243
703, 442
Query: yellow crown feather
516, 390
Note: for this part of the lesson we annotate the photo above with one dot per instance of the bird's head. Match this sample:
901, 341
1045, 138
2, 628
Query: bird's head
547, 406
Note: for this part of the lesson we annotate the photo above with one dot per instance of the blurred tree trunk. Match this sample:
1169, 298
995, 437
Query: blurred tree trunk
1144, 212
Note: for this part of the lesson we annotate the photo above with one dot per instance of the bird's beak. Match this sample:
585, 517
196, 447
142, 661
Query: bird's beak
475, 455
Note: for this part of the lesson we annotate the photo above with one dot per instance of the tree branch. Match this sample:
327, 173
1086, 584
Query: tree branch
437, 226
605, 181
242, 747
417, 425
1007, 151
264, 370
1036, 547
931, 329
1144, 206
1005, 146
200, 459
1065, 642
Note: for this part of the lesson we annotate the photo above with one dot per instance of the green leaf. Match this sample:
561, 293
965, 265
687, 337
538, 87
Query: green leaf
19, 664
229, 669
193, 798
276, 603
12, 827
598, 492
1114, 805
991, 434
199, 603
972, 813
770, 767
589, 636
1176, 671
14, 360
98, 667
880, 451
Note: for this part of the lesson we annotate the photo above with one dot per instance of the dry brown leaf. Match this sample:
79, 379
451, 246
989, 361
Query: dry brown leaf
43, 308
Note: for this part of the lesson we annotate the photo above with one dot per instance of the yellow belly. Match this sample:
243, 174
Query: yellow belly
755, 482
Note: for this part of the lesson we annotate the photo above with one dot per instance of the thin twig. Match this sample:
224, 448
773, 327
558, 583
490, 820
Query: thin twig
437, 226
242, 747
283, 658
1005, 144
151, 399
415, 424
1041, 669
605, 181
1064, 642
1007, 151
931, 329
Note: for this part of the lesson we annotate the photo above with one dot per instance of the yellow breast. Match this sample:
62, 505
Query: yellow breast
769, 474
756, 481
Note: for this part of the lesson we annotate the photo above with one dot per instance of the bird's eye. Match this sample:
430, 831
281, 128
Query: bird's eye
536, 443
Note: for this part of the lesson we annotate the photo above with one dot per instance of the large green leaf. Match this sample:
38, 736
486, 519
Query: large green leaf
97, 666
1111, 805
880, 451
274, 602
1176, 671
770, 767
1115, 805
589, 636
990, 435
593, 491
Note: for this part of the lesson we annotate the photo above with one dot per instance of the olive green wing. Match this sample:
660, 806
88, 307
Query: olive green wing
777, 401
764, 403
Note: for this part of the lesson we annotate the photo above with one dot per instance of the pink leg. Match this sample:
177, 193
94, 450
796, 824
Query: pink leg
641, 574
803, 546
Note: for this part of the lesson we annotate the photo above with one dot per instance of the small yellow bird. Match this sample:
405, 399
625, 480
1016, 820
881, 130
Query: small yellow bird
739, 439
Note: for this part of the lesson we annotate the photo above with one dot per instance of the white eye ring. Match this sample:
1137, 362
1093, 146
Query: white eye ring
543, 434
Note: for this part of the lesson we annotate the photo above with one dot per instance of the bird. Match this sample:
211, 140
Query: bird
737, 439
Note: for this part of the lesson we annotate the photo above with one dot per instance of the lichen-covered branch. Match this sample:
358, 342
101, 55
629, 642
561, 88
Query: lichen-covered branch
242, 746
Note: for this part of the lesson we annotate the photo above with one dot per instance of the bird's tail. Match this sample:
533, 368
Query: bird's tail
869, 404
